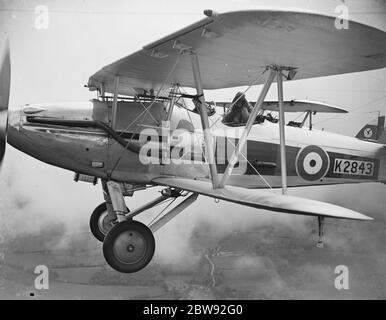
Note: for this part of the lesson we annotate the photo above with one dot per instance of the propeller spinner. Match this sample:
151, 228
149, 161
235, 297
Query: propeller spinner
5, 83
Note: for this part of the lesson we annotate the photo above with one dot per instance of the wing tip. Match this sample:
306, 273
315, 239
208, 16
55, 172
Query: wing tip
365, 218
356, 216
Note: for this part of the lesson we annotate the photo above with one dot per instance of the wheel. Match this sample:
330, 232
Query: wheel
129, 246
99, 222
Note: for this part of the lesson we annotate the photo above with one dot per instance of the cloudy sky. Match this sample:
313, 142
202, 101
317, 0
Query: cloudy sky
53, 64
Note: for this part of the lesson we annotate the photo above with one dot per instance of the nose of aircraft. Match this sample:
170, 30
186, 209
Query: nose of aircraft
9, 129
14, 119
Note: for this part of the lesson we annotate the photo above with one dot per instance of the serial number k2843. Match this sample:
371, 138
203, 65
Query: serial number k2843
354, 167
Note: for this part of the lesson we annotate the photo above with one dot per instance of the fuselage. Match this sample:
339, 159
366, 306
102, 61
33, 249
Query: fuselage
313, 157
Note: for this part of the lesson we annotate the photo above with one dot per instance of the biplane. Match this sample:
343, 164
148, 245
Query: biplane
140, 131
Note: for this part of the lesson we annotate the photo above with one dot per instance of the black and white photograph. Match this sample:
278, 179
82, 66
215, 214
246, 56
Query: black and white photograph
211, 152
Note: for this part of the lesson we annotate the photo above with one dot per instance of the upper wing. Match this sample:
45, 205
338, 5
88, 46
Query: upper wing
263, 199
293, 106
234, 48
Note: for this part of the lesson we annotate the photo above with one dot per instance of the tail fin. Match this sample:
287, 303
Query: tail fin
374, 132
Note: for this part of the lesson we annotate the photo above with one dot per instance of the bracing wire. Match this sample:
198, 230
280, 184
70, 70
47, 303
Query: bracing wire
162, 211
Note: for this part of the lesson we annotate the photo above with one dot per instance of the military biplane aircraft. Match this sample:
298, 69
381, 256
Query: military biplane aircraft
140, 131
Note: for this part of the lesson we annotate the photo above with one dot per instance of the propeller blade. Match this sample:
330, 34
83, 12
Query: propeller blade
5, 83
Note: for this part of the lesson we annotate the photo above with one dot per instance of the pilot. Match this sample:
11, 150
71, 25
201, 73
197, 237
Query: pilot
269, 117
240, 110
197, 105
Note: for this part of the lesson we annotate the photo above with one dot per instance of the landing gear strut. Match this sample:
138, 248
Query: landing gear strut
128, 245
101, 222
320, 243
104, 217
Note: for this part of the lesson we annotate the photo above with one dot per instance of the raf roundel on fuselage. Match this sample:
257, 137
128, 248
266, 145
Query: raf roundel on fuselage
312, 163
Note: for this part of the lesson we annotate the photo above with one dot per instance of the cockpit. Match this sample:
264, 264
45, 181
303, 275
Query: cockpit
300, 112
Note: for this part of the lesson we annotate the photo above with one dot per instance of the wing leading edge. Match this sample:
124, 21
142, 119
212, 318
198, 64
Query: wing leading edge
263, 199
234, 48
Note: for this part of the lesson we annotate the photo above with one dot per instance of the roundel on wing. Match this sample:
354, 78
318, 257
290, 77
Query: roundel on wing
312, 163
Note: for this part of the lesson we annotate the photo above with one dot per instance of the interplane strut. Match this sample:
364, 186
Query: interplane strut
283, 160
274, 71
247, 129
209, 149
115, 103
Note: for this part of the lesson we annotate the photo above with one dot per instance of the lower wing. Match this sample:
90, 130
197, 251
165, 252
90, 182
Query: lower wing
263, 199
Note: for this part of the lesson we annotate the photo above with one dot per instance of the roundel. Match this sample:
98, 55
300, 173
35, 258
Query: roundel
312, 163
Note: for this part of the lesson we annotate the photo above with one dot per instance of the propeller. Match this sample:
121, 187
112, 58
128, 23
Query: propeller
5, 83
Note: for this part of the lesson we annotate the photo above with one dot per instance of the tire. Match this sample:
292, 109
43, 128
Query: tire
100, 228
99, 231
129, 246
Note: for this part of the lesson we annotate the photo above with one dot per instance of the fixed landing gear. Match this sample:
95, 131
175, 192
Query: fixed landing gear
101, 222
129, 246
